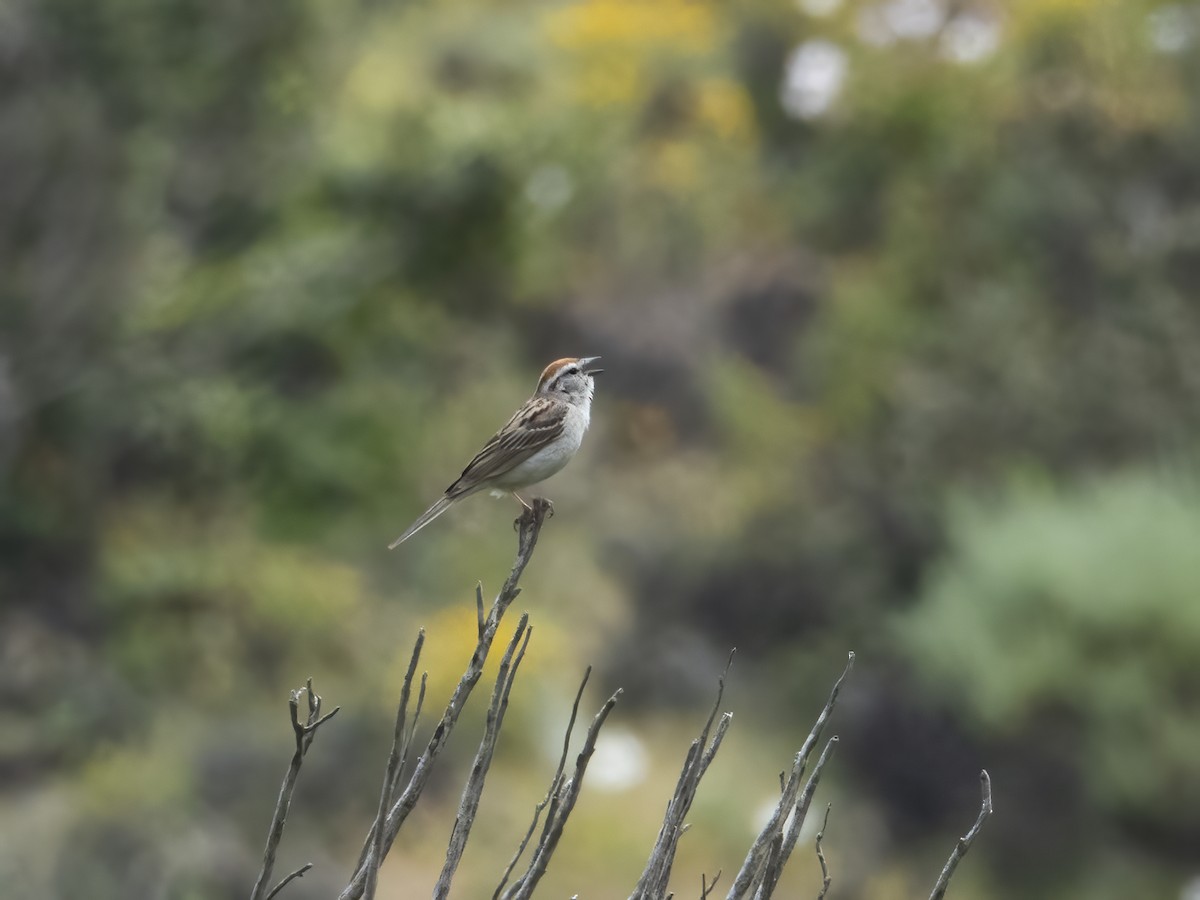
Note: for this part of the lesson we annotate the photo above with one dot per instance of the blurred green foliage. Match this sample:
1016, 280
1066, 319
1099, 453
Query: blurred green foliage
269, 274
1073, 610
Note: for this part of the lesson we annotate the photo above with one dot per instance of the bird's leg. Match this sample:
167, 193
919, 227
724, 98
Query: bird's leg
528, 510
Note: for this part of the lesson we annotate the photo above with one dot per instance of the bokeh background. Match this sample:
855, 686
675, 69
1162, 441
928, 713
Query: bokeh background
898, 305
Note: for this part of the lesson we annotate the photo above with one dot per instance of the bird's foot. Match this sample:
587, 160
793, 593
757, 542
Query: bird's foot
541, 508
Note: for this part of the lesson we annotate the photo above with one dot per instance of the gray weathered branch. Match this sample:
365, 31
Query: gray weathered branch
529, 526
288, 879
395, 765
770, 839
826, 879
782, 851
551, 792
469, 805
560, 806
965, 842
657, 874
760, 872
304, 734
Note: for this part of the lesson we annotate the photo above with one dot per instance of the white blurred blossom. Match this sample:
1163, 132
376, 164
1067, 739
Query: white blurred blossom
819, 7
812, 78
970, 38
620, 762
1172, 28
913, 19
549, 187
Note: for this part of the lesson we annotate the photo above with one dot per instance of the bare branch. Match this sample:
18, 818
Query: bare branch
314, 710
529, 525
706, 886
826, 880
965, 842
412, 731
405, 747
555, 784
392, 770
312, 726
479, 608
657, 874
304, 734
560, 808
775, 866
299, 873
473, 791
752, 872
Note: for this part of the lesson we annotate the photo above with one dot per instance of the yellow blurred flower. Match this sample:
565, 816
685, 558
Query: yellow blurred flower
381, 79
616, 40
450, 639
675, 165
723, 106
679, 24
610, 81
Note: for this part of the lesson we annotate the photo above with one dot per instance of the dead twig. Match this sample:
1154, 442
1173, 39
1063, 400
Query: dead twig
392, 769
826, 879
287, 879
706, 886
657, 874
559, 808
304, 734
473, 791
529, 525
965, 842
775, 865
753, 871
555, 784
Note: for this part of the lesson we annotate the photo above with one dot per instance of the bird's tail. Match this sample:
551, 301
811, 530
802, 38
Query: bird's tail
424, 519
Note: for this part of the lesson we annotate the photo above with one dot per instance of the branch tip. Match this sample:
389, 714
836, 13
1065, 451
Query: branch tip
299, 873
963, 844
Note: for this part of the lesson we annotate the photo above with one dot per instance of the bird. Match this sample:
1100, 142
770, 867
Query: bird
541, 437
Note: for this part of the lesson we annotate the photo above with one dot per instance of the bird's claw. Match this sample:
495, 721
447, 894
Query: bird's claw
531, 510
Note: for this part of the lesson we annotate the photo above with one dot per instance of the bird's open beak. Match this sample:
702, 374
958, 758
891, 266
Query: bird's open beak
586, 365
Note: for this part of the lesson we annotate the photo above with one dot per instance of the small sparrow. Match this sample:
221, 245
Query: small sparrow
535, 443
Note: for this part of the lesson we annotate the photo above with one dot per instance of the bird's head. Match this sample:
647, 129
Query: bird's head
569, 378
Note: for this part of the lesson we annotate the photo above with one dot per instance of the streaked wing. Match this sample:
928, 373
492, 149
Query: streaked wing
535, 425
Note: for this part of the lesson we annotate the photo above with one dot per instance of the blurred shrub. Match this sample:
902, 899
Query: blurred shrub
1076, 611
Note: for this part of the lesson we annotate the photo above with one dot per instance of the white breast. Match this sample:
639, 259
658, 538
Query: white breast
554, 456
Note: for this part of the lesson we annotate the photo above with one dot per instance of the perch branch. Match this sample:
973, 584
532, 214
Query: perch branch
965, 842
529, 525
